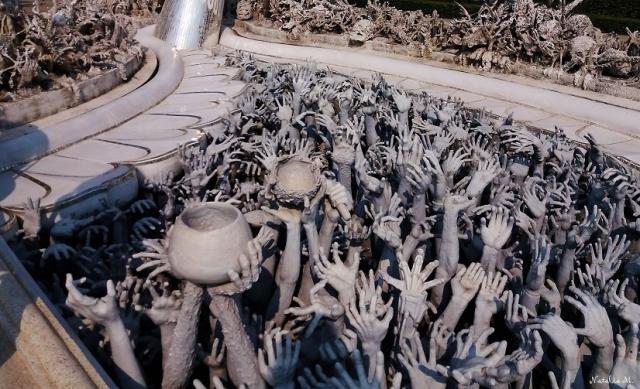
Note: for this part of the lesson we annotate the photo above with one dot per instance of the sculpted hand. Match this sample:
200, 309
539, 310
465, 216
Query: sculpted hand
563, 336
489, 299
165, 308
345, 380
141, 206
497, 231
457, 203
487, 171
454, 162
467, 281
423, 372
250, 264
340, 198
322, 306
522, 361
419, 179
339, 275
615, 296
103, 311
145, 226
538, 269
59, 251
31, 218
279, 366
370, 319
472, 359
611, 260
626, 359
551, 295
288, 216
532, 199
516, 316
596, 321
403, 103
413, 286
387, 228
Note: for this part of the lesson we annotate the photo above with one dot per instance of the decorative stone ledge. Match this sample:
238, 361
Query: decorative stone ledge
617, 114
611, 87
37, 348
36, 145
44, 104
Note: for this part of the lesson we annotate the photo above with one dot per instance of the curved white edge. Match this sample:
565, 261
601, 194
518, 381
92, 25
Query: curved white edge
55, 356
609, 116
46, 141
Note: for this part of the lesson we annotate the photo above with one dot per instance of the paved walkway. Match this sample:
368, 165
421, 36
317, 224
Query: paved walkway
108, 165
615, 123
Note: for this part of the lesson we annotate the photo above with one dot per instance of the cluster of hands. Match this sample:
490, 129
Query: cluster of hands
442, 250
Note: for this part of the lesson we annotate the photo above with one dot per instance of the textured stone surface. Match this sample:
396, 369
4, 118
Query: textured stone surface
612, 120
37, 349
107, 166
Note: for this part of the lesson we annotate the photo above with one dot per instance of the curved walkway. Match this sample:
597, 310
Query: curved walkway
98, 158
617, 127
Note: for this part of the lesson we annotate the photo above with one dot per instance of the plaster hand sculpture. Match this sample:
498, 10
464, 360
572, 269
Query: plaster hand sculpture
399, 267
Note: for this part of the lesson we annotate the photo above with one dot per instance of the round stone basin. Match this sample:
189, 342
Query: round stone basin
205, 243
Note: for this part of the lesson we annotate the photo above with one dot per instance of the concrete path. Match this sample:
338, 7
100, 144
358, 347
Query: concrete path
614, 123
106, 166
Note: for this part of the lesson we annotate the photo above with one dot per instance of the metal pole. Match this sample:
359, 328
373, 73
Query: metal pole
186, 23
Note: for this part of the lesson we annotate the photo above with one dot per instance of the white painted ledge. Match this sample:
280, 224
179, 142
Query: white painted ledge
620, 119
37, 144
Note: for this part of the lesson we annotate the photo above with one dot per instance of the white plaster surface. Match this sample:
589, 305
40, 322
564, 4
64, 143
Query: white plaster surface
93, 165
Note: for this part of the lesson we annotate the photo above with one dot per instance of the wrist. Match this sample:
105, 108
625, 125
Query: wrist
370, 348
490, 249
292, 226
116, 331
345, 295
459, 301
482, 315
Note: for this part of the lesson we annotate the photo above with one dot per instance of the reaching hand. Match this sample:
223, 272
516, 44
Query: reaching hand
497, 231
59, 251
31, 222
562, 335
279, 366
250, 265
538, 269
370, 319
597, 327
532, 199
626, 359
611, 260
489, 298
320, 305
340, 276
472, 359
413, 286
615, 296
467, 281
103, 311
423, 372
522, 361
165, 308
516, 315
340, 198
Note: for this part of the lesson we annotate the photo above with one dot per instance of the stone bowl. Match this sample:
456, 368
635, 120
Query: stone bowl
295, 179
205, 242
